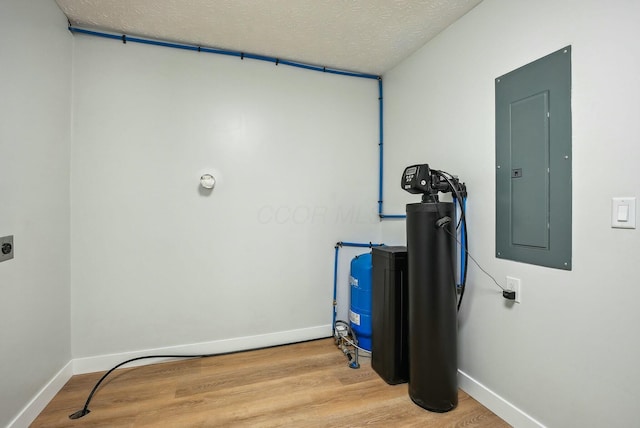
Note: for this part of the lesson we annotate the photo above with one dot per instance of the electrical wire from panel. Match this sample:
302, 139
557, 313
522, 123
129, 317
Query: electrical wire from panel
450, 179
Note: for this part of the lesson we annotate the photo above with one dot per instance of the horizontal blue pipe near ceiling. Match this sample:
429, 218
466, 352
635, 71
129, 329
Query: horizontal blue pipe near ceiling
125, 39
242, 55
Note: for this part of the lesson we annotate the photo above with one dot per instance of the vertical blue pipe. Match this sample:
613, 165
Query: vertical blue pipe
463, 238
381, 158
335, 289
380, 149
455, 207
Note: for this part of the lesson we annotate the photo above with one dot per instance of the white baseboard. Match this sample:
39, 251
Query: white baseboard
501, 407
37, 404
498, 405
105, 362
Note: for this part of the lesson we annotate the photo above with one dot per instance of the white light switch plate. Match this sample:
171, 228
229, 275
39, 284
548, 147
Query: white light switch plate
623, 213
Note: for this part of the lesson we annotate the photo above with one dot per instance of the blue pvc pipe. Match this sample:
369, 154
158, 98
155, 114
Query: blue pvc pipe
380, 148
157, 43
463, 238
243, 55
358, 244
94, 33
455, 207
381, 159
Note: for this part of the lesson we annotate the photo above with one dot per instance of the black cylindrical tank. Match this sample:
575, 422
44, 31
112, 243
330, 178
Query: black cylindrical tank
433, 327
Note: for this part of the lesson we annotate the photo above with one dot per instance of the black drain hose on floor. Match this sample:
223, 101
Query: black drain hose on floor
85, 410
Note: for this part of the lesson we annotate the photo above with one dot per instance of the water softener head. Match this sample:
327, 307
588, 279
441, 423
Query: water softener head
416, 179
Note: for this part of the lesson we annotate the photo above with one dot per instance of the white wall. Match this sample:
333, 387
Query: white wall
35, 100
568, 355
156, 262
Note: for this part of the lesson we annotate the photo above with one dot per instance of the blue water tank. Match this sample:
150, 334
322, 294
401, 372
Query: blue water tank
360, 310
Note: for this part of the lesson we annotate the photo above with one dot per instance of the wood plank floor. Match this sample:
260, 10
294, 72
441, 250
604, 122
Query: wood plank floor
302, 385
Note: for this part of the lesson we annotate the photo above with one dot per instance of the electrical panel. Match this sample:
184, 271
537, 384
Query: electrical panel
533, 162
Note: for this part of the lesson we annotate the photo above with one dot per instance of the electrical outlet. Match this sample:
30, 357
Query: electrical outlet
6, 245
514, 284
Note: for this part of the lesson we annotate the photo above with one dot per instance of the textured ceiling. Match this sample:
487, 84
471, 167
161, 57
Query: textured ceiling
369, 36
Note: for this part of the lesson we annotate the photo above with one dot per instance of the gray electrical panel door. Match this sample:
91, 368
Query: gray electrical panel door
533, 162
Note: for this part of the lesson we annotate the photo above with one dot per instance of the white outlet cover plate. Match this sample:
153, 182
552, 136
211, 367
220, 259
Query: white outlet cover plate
623, 213
514, 284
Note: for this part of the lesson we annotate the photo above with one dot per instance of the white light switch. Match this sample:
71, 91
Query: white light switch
623, 213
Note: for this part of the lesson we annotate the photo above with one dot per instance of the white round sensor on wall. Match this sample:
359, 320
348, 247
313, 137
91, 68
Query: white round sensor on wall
207, 181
